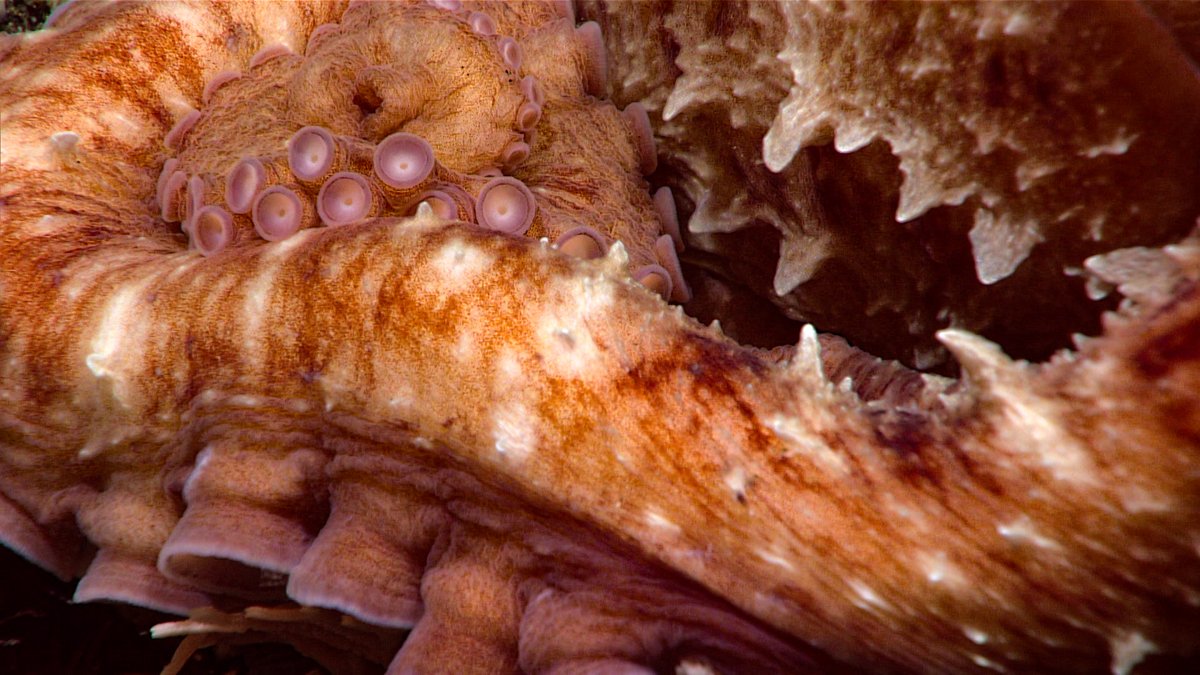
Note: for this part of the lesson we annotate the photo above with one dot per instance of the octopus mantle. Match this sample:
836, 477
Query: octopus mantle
374, 420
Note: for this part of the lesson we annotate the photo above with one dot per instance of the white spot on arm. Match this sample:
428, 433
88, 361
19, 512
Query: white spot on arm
775, 559
984, 662
867, 595
64, 142
1128, 650
1022, 531
112, 340
975, 635
255, 305
661, 522
802, 442
938, 569
736, 480
459, 263
514, 432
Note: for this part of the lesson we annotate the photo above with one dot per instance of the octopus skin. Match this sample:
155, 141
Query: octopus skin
350, 325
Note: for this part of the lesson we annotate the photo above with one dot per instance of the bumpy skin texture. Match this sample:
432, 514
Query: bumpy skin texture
529, 459
900, 168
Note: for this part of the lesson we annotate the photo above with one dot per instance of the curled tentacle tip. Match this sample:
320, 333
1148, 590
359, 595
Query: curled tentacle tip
595, 58
581, 242
482, 23
217, 81
195, 195
310, 152
528, 115
448, 5
531, 88
174, 137
403, 160
212, 230
267, 53
643, 135
664, 251
243, 182
277, 214
160, 187
505, 205
664, 204
172, 191
510, 52
514, 154
345, 198
655, 278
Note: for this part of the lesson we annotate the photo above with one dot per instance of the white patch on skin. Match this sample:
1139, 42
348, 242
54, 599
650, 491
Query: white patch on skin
867, 594
938, 570
1021, 530
244, 401
661, 522
113, 340
514, 432
402, 398
338, 386
975, 635
791, 431
369, 285
258, 291
687, 667
276, 28
464, 347
736, 480
568, 347
122, 127
1117, 145
1138, 499
64, 142
186, 15
564, 331
172, 97
459, 264
775, 559
509, 369
984, 662
281, 248
1128, 650
51, 224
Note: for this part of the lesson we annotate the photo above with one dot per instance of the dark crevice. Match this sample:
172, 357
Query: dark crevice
887, 287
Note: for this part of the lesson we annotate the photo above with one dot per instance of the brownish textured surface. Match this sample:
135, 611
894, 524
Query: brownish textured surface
959, 161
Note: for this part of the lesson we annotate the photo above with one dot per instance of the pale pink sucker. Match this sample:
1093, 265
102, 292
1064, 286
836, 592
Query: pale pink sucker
403, 160
212, 230
346, 198
279, 212
504, 204
310, 153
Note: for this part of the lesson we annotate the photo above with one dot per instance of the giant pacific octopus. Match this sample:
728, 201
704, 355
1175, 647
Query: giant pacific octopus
363, 327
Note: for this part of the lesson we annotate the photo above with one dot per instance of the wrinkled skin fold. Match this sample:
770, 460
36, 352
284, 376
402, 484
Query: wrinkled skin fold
530, 461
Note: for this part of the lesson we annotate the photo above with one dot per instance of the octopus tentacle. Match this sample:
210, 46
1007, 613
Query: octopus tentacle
511, 446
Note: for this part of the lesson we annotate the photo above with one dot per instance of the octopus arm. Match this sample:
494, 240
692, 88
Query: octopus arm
530, 460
